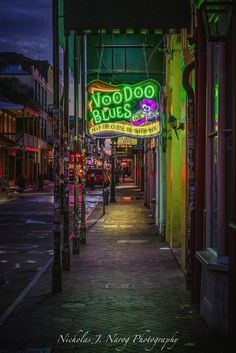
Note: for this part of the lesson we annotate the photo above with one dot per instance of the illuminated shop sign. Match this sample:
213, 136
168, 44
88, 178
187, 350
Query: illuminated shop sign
116, 110
125, 140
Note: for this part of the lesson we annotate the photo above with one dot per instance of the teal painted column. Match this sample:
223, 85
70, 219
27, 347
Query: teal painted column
162, 192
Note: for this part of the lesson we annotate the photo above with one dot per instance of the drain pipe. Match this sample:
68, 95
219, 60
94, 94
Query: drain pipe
191, 174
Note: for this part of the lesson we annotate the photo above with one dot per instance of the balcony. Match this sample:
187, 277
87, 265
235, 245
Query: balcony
26, 140
30, 140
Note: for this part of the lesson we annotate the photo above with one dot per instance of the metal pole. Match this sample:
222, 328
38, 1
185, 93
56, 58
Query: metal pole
83, 102
145, 161
76, 160
66, 247
103, 176
118, 46
113, 181
61, 134
56, 268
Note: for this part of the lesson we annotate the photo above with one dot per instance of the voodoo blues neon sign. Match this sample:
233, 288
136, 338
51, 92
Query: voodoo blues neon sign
131, 110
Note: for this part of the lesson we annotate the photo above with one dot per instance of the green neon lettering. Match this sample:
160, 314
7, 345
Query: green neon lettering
117, 97
119, 112
112, 113
127, 110
96, 99
106, 100
96, 116
128, 93
104, 117
138, 92
149, 91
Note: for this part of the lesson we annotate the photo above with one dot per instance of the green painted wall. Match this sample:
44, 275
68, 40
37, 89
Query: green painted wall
125, 65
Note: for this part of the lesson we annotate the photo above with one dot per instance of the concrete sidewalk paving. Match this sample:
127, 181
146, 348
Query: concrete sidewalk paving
124, 292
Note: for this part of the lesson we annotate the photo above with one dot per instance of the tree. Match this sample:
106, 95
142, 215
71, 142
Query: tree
12, 89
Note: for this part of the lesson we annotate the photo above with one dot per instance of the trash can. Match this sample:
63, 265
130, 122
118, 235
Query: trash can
153, 207
40, 182
21, 182
3, 184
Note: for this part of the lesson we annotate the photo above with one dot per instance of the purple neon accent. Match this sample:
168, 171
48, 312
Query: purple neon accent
139, 122
150, 103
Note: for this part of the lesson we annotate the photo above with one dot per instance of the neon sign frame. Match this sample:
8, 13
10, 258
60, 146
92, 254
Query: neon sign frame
130, 110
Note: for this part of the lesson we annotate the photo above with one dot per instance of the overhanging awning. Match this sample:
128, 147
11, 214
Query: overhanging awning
126, 14
7, 105
19, 110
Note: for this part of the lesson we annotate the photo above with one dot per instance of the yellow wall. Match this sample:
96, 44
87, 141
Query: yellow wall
176, 150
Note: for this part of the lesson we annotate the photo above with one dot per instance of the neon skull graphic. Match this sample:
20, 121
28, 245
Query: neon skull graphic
147, 113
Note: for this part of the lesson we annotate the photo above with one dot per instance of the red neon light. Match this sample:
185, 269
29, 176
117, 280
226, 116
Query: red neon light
12, 153
31, 149
79, 156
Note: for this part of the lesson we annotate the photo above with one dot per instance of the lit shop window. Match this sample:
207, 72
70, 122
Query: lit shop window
213, 135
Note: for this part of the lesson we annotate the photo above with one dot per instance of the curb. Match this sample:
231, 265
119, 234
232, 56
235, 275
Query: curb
25, 291
32, 283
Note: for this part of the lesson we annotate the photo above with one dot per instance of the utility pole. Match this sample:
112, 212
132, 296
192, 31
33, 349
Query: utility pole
83, 102
56, 268
113, 176
76, 247
66, 247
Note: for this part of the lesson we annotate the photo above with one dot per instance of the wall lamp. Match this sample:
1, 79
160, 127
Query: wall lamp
217, 16
174, 124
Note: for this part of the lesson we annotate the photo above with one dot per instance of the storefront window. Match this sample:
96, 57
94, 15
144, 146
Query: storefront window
213, 135
35, 90
41, 128
229, 197
2, 124
213, 215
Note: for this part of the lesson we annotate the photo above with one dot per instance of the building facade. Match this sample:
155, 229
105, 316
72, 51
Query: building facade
214, 246
198, 146
34, 125
7, 140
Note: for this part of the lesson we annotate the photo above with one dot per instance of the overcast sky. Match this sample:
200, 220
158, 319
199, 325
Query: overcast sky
25, 27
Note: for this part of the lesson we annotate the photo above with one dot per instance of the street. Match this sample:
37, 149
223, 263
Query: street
26, 238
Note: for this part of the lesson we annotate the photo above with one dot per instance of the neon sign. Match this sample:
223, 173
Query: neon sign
116, 110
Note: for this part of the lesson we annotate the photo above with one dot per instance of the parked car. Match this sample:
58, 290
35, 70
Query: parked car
94, 177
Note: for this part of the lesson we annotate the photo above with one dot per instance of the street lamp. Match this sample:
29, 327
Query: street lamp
217, 16
174, 124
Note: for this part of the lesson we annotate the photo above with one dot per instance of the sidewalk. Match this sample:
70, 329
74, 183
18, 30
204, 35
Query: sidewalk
47, 187
124, 291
